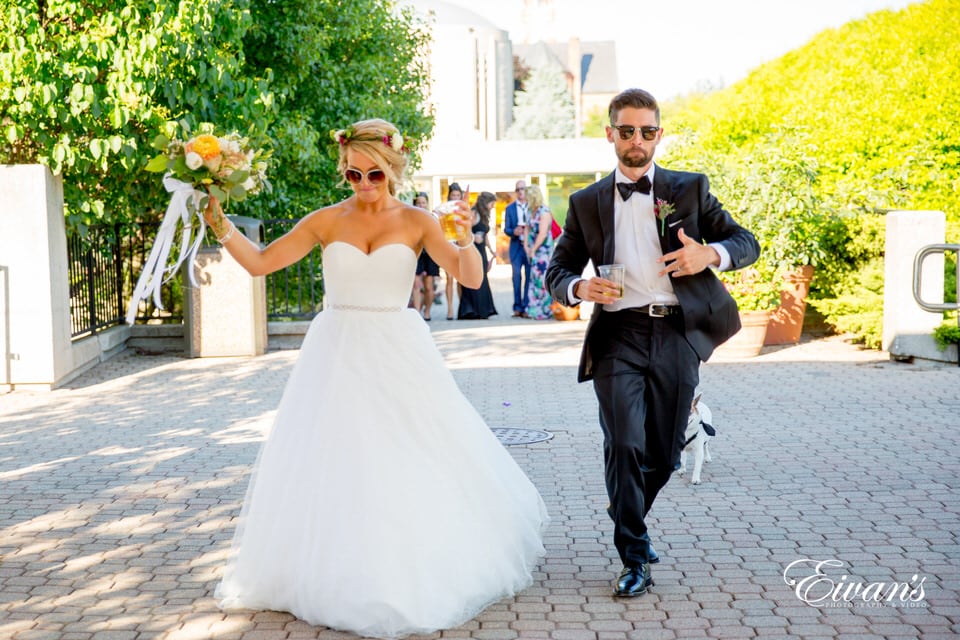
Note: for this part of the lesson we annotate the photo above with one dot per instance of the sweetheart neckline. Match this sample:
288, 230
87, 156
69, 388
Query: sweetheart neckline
373, 251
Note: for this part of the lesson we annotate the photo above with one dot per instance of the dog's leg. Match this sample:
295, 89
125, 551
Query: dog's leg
706, 451
683, 462
697, 457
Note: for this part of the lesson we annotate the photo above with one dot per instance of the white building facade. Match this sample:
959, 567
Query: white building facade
472, 94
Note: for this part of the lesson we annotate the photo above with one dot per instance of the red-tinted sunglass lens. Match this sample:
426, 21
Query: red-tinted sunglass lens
374, 176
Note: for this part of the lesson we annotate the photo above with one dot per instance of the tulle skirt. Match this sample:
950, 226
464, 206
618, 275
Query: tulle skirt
381, 503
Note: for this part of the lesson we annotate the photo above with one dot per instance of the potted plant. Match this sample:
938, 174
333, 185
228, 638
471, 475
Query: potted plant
756, 293
773, 188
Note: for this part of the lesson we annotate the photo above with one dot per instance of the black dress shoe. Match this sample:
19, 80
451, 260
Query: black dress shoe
633, 581
652, 556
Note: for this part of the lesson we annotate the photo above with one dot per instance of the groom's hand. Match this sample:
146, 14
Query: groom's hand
596, 290
692, 258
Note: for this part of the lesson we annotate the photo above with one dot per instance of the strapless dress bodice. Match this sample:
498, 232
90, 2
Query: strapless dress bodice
379, 280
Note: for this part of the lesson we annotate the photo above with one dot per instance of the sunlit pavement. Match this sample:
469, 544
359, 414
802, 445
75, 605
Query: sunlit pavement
119, 494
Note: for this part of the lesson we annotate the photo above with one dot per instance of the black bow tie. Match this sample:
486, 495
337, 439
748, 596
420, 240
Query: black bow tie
626, 189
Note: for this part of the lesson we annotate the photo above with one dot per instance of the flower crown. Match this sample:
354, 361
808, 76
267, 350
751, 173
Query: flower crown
395, 140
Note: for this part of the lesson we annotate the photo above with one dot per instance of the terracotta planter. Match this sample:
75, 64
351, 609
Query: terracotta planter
563, 313
786, 321
747, 342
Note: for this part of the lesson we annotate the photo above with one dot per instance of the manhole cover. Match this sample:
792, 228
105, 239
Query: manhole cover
509, 435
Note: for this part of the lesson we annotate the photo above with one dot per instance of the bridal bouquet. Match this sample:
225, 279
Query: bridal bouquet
224, 166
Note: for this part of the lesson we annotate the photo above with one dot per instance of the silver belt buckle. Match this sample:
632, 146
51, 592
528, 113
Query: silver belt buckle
654, 314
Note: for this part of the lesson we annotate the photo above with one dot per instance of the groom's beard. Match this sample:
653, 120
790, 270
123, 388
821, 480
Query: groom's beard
634, 157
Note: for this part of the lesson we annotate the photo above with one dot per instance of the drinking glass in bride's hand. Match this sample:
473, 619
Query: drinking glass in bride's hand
449, 217
453, 219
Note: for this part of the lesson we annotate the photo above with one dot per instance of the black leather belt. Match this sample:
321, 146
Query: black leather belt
656, 310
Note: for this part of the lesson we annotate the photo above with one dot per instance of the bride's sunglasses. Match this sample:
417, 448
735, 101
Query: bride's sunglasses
374, 176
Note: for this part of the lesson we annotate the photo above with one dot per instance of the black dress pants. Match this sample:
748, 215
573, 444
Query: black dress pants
645, 375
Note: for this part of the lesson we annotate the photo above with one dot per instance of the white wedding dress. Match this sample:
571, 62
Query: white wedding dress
380, 503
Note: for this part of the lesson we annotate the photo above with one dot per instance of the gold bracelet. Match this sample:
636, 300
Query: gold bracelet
228, 234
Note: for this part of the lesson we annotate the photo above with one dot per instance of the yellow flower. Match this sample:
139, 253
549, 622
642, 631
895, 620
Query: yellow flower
204, 145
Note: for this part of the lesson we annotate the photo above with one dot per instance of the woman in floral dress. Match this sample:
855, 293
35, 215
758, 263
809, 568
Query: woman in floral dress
538, 244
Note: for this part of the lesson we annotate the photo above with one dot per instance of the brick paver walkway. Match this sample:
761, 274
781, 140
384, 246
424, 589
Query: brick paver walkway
119, 493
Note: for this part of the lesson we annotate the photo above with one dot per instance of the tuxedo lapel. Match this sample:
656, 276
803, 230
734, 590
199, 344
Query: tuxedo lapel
605, 215
663, 190
662, 185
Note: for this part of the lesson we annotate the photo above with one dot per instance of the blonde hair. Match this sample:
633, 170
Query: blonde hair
534, 197
373, 138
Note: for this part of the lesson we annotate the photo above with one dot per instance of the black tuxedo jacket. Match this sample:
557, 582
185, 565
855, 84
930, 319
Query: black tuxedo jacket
709, 312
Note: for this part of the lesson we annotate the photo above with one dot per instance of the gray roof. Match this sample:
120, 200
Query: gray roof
598, 62
541, 54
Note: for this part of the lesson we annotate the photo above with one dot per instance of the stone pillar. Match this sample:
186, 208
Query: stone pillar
908, 329
227, 314
34, 290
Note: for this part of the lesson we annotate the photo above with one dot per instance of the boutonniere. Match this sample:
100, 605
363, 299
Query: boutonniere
664, 210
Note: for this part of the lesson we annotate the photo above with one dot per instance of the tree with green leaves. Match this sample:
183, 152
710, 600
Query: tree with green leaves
334, 63
86, 85
545, 108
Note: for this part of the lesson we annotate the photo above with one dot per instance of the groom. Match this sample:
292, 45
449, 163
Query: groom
643, 351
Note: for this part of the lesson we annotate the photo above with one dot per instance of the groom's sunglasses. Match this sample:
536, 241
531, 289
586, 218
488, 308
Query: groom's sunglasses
627, 132
374, 176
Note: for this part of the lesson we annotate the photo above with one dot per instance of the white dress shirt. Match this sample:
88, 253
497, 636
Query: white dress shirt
637, 247
521, 213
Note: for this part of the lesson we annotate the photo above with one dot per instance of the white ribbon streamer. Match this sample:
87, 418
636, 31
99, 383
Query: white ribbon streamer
184, 203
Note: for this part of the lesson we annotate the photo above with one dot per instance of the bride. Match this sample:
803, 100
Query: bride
364, 513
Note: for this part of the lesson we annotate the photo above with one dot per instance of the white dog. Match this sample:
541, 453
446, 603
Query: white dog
699, 430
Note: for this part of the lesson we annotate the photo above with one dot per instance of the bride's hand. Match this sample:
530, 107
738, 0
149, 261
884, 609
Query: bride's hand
215, 218
465, 221
213, 209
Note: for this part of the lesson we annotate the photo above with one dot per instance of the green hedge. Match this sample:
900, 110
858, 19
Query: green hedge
811, 150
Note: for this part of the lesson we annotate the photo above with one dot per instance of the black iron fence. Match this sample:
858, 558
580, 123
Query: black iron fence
295, 293
95, 273
105, 262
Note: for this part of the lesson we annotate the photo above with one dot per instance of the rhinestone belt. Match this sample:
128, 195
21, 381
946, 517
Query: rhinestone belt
359, 307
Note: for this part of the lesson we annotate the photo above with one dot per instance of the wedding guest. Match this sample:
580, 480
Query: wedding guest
643, 350
357, 516
478, 303
427, 271
453, 193
538, 247
515, 226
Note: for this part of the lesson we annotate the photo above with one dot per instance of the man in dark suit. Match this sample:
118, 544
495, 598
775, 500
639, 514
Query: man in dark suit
643, 351
515, 226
